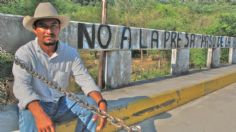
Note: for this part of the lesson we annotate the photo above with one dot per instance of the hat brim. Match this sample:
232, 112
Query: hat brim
28, 21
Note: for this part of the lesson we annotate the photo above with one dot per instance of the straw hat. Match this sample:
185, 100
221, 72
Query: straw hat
44, 10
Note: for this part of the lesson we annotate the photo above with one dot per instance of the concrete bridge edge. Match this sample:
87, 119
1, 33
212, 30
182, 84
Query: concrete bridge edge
145, 108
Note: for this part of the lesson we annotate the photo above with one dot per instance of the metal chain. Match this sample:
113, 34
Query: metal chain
3, 88
3, 93
113, 120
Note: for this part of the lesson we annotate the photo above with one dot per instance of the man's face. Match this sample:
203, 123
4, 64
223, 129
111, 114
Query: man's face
47, 31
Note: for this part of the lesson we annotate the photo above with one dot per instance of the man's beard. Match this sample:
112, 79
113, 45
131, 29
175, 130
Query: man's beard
50, 43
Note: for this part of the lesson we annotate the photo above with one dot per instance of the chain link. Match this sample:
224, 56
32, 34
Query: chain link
3, 93
113, 120
3, 88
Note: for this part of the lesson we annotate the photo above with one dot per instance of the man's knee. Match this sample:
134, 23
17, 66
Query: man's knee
26, 121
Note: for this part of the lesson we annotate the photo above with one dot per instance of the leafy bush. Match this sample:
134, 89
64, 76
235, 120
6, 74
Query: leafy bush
87, 2
6, 63
202, 8
226, 25
224, 57
198, 58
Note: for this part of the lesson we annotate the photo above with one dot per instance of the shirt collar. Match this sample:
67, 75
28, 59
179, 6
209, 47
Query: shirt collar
39, 49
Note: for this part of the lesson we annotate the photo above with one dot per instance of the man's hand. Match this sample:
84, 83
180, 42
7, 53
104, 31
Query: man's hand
102, 121
43, 122
102, 106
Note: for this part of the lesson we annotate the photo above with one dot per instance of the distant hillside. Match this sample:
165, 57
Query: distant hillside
213, 17
216, 17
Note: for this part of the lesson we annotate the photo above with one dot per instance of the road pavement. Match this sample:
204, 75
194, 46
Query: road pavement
215, 112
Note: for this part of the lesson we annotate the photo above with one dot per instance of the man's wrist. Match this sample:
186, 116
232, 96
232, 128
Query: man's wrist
102, 101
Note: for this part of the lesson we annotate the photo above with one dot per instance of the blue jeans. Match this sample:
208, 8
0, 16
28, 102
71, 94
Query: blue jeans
64, 110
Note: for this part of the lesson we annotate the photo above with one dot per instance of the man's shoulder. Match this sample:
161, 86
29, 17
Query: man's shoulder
66, 46
26, 47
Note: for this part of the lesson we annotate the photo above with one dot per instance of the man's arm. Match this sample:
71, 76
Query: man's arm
102, 106
22, 87
43, 122
88, 85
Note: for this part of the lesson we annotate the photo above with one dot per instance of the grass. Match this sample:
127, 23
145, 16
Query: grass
152, 71
155, 63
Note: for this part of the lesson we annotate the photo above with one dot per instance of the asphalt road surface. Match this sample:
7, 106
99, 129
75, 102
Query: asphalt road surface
215, 112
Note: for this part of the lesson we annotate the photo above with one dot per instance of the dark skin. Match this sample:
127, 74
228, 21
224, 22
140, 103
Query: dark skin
47, 31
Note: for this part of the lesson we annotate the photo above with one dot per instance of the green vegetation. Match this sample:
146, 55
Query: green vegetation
201, 17
224, 56
5, 65
212, 18
154, 64
198, 58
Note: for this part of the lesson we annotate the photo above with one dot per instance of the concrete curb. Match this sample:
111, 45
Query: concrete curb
142, 109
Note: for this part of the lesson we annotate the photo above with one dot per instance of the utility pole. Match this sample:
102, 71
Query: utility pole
104, 11
102, 56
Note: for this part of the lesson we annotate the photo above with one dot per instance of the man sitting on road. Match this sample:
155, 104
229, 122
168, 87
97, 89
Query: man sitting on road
40, 106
